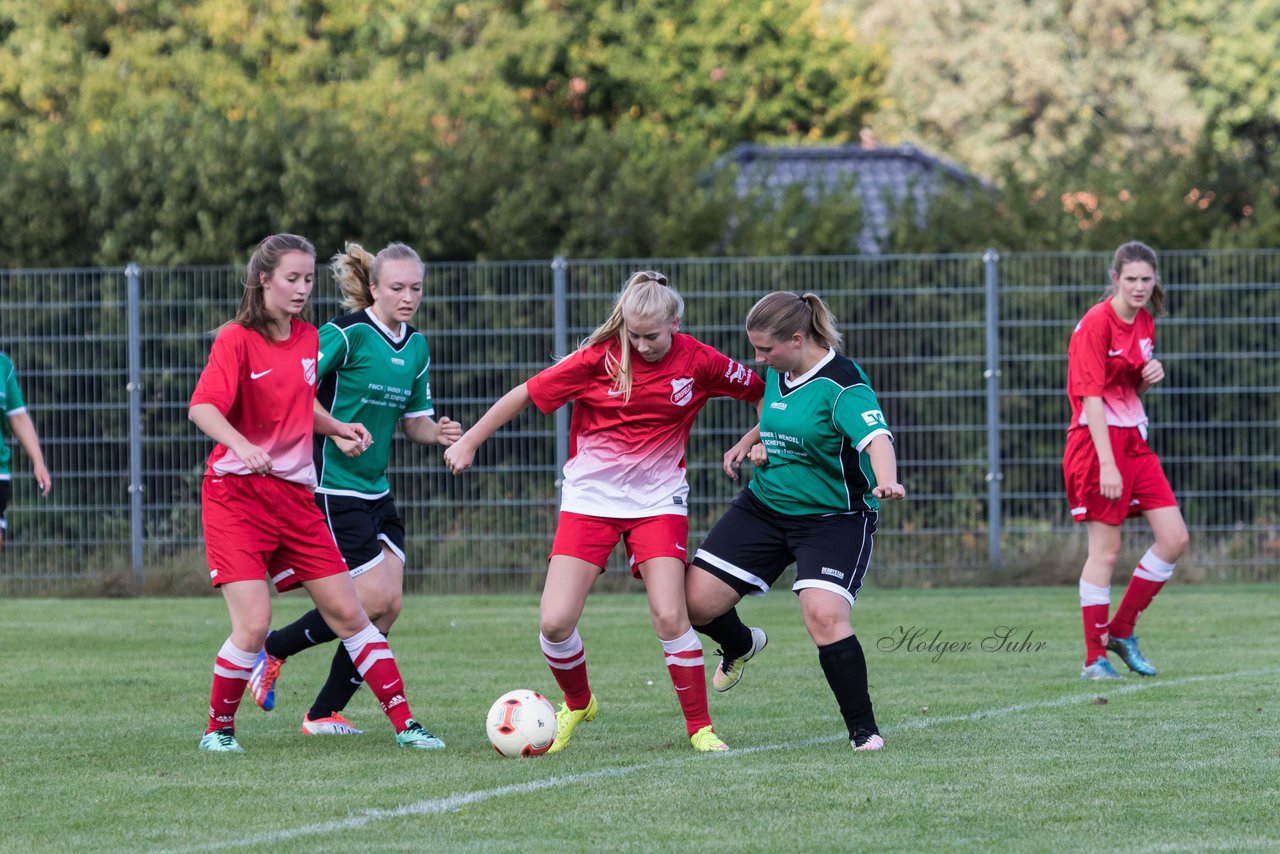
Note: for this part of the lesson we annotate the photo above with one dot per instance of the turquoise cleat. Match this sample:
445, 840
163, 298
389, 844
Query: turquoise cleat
221, 741
1100, 669
415, 735
1127, 649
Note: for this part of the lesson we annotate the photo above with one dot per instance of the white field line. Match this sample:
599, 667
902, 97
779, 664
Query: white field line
453, 802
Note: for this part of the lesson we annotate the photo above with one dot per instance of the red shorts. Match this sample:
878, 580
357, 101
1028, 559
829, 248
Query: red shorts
1144, 485
264, 527
592, 538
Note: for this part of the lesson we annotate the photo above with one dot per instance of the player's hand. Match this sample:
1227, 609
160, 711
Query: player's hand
355, 432
449, 431
758, 455
350, 447
255, 459
459, 456
43, 480
733, 459
890, 492
1152, 372
1110, 483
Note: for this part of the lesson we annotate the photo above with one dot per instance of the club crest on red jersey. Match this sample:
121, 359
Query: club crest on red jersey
309, 371
682, 391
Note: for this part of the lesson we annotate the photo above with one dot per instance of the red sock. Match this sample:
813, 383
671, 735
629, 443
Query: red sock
568, 662
230, 678
1095, 628
377, 667
689, 675
1137, 597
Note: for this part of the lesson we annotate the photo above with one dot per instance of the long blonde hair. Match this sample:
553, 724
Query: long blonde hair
1128, 253
645, 295
252, 312
783, 314
356, 271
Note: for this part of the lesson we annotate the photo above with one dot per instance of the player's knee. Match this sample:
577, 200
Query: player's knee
1172, 545
346, 620
555, 629
392, 611
826, 626
1104, 554
668, 623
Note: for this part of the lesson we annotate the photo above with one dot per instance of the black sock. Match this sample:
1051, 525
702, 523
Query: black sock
846, 671
729, 632
303, 633
343, 683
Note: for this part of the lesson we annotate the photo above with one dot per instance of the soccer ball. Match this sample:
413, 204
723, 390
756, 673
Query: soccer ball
521, 723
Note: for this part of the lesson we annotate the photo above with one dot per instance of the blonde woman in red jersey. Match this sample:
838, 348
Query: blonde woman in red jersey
1111, 473
637, 385
261, 524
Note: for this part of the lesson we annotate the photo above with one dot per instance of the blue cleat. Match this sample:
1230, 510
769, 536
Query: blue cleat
1127, 649
1100, 669
262, 680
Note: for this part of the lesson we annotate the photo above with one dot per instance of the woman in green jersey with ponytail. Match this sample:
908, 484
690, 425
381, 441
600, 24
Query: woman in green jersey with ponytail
824, 460
372, 370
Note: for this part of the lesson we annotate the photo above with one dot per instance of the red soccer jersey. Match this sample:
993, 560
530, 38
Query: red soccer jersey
265, 389
1105, 359
626, 458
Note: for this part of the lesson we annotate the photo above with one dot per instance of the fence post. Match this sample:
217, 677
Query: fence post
560, 324
991, 268
135, 423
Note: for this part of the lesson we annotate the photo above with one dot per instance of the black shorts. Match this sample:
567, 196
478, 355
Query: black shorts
751, 546
6, 490
360, 526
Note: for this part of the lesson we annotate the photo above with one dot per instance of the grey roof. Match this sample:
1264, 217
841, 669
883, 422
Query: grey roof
880, 174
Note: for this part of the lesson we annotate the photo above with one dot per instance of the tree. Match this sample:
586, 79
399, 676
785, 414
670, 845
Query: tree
183, 131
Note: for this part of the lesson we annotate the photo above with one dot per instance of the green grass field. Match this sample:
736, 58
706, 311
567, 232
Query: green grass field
103, 702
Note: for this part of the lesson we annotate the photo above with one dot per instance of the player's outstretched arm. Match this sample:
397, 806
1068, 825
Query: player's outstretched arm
884, 464
425, 430
459, 456
24, 429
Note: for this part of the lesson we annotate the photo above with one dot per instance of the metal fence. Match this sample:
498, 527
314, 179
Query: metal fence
967, 354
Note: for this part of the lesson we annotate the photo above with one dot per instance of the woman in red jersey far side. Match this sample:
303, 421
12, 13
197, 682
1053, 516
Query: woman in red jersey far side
1111, 473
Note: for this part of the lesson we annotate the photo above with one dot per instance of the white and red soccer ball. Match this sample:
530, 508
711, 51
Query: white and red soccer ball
521, 723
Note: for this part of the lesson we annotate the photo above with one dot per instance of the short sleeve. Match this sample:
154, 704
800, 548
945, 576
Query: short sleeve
13, 402
420, 403
724, 377
1087, 358
333, 349
857, 415
553, 387
218, 381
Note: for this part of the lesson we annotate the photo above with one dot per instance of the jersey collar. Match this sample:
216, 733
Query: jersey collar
396, 337
789, 382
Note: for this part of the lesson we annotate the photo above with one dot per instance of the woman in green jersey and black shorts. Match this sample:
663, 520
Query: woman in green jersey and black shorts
17, 421
372, 370
825, 459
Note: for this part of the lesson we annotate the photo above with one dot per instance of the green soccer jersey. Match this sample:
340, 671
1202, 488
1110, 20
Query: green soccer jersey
11, 403
816, 428
371, 376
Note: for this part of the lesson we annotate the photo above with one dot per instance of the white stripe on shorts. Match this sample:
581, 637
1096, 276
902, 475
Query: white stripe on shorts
736, 572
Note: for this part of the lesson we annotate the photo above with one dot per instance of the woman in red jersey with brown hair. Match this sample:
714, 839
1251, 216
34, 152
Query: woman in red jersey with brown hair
1111, 473
636, 384
261, 523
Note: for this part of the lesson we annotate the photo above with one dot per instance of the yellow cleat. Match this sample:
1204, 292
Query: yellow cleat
567, 719
705, 740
